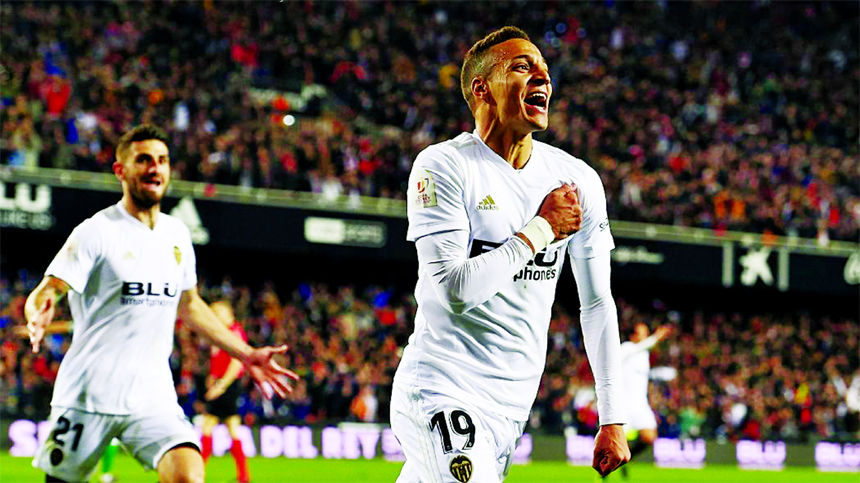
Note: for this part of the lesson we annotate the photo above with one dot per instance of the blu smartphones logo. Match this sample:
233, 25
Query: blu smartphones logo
24, 210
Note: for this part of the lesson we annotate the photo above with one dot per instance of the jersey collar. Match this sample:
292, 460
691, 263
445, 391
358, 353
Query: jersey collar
125, 214
496, 158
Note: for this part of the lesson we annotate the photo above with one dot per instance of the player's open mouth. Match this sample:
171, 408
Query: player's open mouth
537, 99
152, 182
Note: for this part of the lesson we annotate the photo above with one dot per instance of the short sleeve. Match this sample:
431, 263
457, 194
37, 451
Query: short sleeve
594, 236
435, 195
75, 262
189, 268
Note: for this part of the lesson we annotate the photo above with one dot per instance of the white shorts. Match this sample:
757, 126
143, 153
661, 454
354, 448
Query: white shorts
640, 416
446, 440
78, 439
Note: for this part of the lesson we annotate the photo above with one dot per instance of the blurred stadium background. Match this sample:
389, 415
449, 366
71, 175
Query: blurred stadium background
726, 134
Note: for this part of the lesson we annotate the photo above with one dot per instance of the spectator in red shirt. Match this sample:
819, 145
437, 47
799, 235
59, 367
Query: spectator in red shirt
57, 92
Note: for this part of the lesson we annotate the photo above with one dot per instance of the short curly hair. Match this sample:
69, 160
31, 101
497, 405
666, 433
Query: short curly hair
144, 132
475, 63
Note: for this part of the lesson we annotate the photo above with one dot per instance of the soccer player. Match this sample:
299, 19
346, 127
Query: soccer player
222, 391
493, 213
129, 270
636, 367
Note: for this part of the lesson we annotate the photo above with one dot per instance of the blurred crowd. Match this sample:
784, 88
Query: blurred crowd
344, 343
723, 115
726, 375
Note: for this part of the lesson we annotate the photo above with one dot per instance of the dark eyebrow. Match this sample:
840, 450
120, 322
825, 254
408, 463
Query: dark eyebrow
147, 155
529, 58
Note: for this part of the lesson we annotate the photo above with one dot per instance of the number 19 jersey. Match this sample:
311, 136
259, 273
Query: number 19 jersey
493, 354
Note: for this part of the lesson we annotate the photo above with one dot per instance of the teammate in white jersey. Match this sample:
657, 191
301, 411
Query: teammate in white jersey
128, 271
493, 215
636, 365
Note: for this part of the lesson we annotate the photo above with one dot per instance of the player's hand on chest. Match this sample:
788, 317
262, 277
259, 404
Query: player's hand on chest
499, 201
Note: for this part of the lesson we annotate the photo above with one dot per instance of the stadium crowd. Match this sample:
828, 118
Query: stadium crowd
723, 115
726, 375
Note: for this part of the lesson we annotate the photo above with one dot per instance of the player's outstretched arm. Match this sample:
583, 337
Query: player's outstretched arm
259, 361
647, 343
610, 449
663, 331
40, 305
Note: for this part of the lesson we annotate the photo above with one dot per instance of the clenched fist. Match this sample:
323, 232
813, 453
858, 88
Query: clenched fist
561, 209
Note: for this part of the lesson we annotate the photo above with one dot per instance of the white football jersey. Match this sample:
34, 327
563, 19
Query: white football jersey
636, 367
493, 354
126, 282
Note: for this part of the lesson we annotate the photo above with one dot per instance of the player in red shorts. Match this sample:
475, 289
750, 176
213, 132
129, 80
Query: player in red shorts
223, 389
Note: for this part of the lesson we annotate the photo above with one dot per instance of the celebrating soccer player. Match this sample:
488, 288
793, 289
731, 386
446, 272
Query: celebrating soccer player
637, 367
128, 270
493, 214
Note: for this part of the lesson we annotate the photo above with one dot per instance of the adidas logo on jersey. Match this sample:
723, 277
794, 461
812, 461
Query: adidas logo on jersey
487, 204
187, 212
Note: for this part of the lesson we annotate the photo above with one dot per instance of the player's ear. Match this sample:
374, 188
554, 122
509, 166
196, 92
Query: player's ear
118, 169
481, 89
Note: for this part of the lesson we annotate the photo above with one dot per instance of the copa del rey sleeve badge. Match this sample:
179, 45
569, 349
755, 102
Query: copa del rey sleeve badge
423, 190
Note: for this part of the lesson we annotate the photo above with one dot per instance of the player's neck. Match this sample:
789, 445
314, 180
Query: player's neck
147, 215
513, 147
